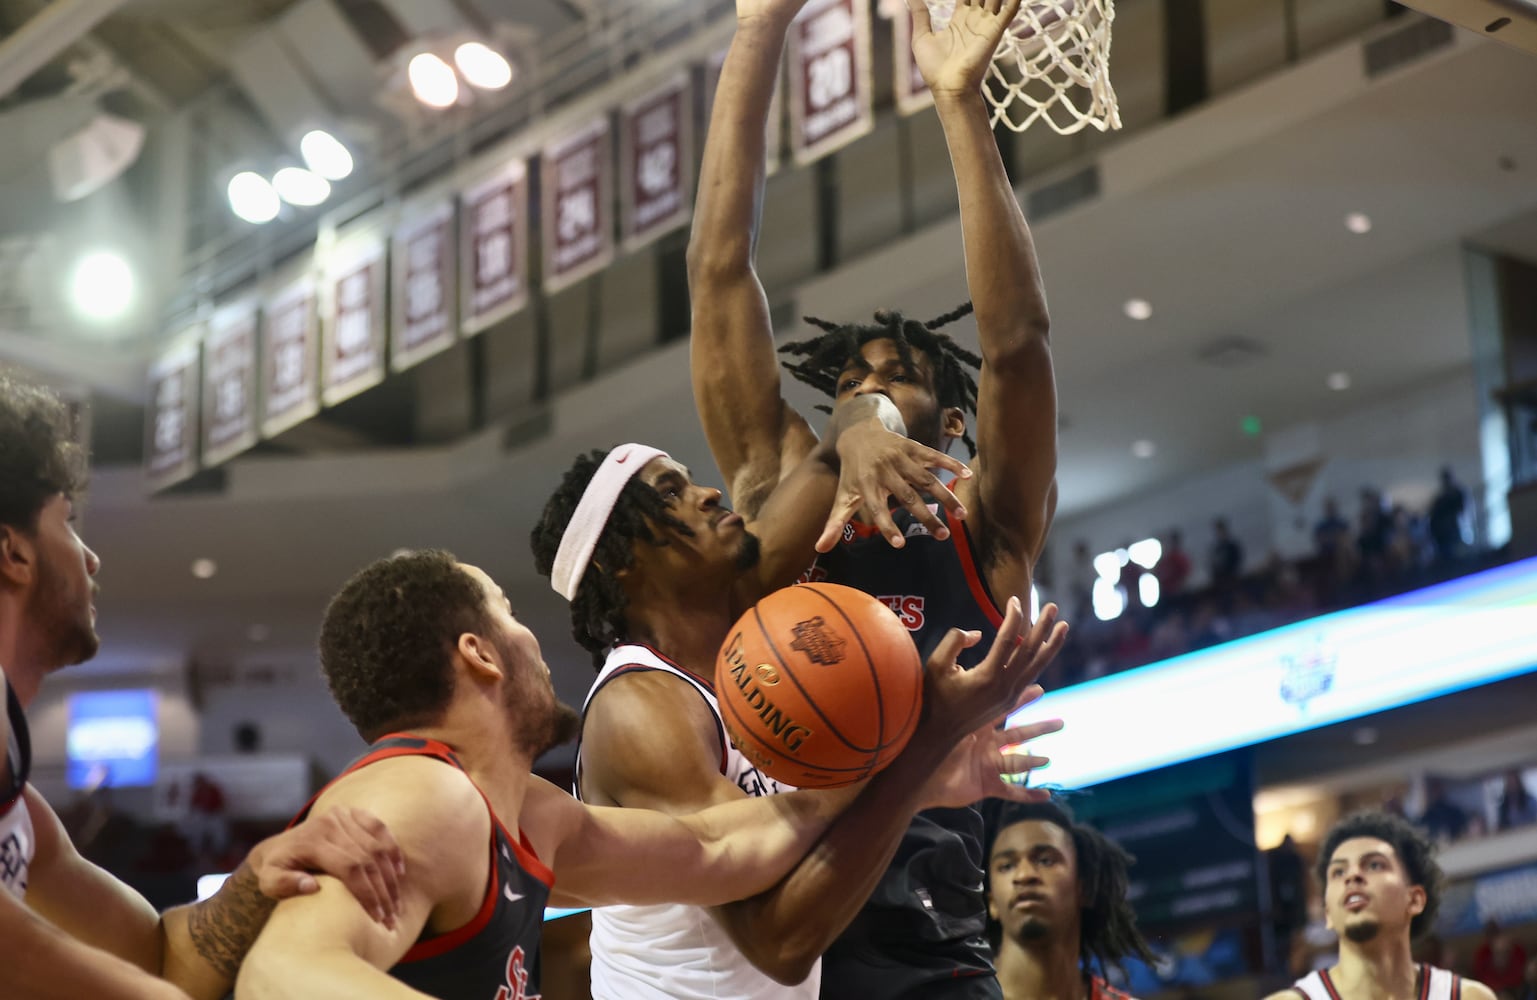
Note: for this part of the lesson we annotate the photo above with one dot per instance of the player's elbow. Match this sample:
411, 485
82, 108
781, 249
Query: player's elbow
718, 261
1024, 350
787, 966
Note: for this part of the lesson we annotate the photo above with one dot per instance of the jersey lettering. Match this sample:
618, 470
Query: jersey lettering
516, 987
13, 862
907, 607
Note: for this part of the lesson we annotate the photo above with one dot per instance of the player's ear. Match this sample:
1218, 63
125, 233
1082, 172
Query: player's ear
18, 556
952, 422
1417, 900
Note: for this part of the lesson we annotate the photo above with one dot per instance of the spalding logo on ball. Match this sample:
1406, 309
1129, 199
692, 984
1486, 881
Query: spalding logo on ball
820, 685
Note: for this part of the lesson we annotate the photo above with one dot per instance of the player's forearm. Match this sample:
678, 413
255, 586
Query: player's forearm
274, 973
1001, 270
41, 962
205, 942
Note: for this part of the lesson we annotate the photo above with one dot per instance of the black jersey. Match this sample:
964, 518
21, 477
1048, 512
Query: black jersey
16, 765
17, 841
923, 932
496, 955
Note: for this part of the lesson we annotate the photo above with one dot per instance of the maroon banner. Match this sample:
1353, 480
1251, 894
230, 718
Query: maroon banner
830, 91
656, 162
773, 146
425, 258
352, 338
290, 358
909, 87
495, 247
170, 447
577, 175
229, 384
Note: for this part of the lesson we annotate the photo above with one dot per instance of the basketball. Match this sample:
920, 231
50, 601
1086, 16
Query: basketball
819, 685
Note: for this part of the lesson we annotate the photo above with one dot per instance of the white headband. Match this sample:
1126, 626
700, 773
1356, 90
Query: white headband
591, 515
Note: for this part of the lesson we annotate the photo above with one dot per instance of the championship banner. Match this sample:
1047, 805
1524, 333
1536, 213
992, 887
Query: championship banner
830, 85
229, 383
425, 258
656, 162
909, 88
494, 235
290, 358
773, 139
578, 182
352, 337
170, 447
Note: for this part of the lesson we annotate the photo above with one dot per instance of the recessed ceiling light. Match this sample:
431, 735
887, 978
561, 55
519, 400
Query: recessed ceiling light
432, 80
1364, 736
1138, 309
1338, 381
1144, 449
204, 568
1359, 223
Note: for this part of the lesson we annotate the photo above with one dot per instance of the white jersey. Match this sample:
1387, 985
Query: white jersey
1435, 984
17, 841
673, 951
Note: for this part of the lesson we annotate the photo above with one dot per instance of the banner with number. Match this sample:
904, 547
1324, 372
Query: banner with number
290, 358
656, 162
170, 448
426, 259
352, 336
773, 139
830, 82
229, 383
494, 248
910, 89
578, 224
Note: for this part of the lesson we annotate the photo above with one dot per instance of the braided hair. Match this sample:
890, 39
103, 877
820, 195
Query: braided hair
597, 610
1107, 924
825, 357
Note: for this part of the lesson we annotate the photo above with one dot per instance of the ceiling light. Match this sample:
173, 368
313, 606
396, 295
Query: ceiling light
298, 186
432, 80
1338, 381
1144, 449
103, 285
251, 197
1359, 223
1138, 308
203, 569
484, 67
325, 155
1146, 553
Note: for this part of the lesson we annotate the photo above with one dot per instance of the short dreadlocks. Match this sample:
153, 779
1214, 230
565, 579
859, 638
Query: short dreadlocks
826, 356
597, 611
1107, 924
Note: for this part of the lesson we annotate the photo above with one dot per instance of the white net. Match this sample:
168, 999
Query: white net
1053, 65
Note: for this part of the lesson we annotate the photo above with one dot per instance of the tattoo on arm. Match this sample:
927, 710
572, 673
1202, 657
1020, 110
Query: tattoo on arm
224, 927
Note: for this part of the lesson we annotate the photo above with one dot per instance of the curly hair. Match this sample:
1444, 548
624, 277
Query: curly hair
597, 611
1415, 852
826, 356
1107, 924
387, 640
39, 458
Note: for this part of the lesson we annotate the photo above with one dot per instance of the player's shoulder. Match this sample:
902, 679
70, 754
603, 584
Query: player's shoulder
414, 795
1472, 989
1290, 993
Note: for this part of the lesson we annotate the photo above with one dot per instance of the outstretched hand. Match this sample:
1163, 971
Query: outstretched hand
961, 701
876, 464
980, 765
351, 845
954, 60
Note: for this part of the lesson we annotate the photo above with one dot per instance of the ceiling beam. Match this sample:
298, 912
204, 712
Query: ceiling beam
55, 29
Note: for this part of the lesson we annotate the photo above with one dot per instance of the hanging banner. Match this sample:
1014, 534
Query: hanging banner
352, 337
830, 85
229, 383
656, 162
425, 260
577, 177
773, 139
290, 358
909, 88
170, 447
495, 247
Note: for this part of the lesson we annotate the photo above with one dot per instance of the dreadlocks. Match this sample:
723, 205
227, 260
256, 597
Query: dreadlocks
597, 611
1107, 924
825, 356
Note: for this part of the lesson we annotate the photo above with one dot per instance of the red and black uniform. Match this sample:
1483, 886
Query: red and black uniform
496, 955
923, 932
16, 839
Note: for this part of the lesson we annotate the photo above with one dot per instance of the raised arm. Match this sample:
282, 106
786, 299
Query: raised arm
754, 435
1016, 463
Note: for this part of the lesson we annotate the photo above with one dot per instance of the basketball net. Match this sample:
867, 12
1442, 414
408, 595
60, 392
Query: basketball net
1053, 65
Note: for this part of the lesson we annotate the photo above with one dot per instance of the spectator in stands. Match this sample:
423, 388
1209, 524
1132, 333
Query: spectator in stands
1499, 961
1372, 538
1130, 580
1517, 806
1443, 819
1330, 534
1446, 513
1226, 560
1288, 893
1172, 568
1080, 583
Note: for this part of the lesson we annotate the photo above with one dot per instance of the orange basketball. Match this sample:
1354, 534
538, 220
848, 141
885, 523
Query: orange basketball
819, 685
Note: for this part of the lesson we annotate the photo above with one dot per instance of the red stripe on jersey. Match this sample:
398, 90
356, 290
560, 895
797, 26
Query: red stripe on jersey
1323, 975
433, 947
979, 593
1424, 982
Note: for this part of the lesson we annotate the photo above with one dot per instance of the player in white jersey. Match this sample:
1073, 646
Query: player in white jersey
1381, 889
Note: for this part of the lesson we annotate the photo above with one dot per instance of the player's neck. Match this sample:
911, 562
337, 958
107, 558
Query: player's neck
1383, 969
688, 632
488, 754
1042, 970
22, 663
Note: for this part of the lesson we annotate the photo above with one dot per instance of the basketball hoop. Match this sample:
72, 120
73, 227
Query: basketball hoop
1053, 65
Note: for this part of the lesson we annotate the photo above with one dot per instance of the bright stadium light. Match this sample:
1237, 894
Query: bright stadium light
251, 197
298, 186
483, 66
432, 80
1146, 553
102, 285
325, 155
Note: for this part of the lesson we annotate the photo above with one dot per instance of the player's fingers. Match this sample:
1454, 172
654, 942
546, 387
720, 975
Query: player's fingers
287, 883
876, 511
345, 859
950, 646
1043, 654
844, 508
1009, 9
1022, 763
373, 838
1029, 694
1006, 643
1018, 736
918, 506
922, 24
